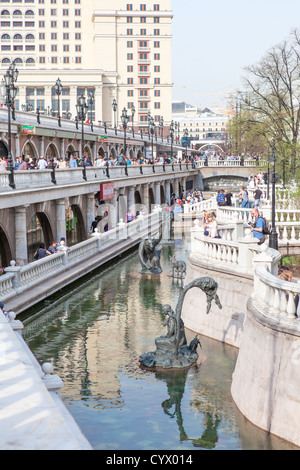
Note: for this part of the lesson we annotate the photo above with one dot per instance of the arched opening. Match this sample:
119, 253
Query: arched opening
113, 153
70, 151
3, 150
138, 203
51, 152
74, 225
29, 150
151, 200
101, 152
5, 252
38, 231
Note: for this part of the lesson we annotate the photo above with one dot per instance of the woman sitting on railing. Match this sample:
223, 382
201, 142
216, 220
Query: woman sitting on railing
212, 227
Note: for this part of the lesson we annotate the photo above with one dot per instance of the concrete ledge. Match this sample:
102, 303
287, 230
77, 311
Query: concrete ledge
31, 416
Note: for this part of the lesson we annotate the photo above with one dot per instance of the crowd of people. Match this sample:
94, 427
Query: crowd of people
73, 161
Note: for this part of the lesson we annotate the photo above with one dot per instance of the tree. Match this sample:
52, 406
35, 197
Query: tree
271, 97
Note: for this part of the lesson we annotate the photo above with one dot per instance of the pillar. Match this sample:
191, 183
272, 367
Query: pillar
145, 191
90, 212
131, 201
157, 194
21, 236
168, 192
60, 219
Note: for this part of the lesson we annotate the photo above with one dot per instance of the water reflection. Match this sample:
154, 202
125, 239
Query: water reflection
175, 381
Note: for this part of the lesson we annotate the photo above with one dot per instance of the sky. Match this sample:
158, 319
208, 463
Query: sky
214, 40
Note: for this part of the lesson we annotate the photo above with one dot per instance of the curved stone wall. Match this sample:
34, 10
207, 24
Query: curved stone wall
226, 325
266, 380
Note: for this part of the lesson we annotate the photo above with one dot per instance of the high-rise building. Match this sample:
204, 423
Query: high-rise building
114, 50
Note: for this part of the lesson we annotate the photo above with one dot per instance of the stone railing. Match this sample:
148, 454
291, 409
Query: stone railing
234, 252
18, 279
275, 299
199, 207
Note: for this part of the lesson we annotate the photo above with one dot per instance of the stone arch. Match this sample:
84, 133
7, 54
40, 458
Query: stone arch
87, 151
113, 153
38, 230
70, 150
101, 152
75, 228
139, 154
52, 151
29, 148
131, 154
210, 145
5, 251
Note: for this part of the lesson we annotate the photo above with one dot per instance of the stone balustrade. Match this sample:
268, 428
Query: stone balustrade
18, 279
274, 298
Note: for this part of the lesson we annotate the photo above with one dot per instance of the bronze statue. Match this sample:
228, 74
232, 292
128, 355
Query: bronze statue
149, 255
172, 350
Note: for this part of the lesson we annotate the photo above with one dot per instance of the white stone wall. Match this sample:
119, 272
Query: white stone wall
266, 380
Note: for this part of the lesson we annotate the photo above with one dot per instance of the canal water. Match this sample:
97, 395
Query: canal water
94, 333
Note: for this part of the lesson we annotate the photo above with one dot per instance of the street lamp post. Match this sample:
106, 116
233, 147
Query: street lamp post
283, 169
58, 91
161, 126
91, 102
273, 238
152, 132
186, 134
268, 186
82, 110
9, 92
125, 119
115, 107
132, 114
172, 137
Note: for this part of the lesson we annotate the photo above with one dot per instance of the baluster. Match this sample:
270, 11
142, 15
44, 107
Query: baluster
276, 301
234, 256
291, 308
283, 303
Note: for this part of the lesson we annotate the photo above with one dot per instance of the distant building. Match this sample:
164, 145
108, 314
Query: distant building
116, 50
203, 125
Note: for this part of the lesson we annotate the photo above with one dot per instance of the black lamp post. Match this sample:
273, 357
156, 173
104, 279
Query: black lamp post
161, 127
172, 136
58, 91
273, 238
125, 119
268, 185
91, 102
283, 169
132, 115
152, 132
82, 110
186, 135
115, 107
10, 92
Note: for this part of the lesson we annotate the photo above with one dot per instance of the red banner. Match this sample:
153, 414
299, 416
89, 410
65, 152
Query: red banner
107, 191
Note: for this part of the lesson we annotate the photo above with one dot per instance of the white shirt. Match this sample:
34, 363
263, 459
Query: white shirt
42, 164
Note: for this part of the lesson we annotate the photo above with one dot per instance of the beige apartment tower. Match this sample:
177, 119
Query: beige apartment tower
118, 50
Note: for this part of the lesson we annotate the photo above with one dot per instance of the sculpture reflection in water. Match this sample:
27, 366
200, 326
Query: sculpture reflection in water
172, 350
175, 381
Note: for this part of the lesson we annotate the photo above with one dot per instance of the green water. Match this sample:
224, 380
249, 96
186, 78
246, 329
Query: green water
94, 334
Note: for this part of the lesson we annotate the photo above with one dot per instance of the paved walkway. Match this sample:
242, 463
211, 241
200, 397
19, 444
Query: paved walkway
31, 417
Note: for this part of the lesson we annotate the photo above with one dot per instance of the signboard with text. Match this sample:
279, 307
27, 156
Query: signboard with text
27, 129
107, 191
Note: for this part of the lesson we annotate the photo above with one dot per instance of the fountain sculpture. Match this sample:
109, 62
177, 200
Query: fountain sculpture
172, 350
149, 255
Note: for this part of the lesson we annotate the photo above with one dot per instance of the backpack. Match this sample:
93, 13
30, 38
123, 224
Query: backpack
267, 226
